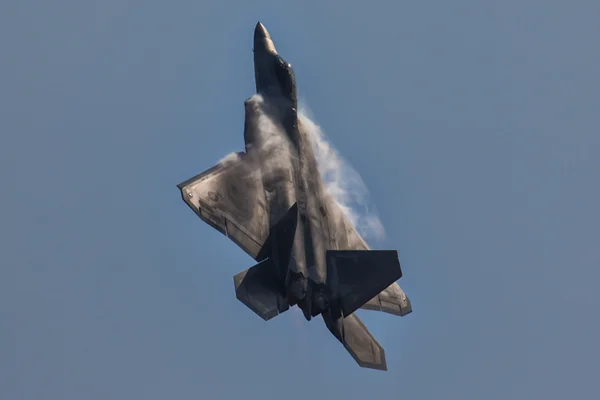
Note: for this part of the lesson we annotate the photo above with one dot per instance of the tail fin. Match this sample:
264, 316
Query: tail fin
259, 289
356, 276
358, 341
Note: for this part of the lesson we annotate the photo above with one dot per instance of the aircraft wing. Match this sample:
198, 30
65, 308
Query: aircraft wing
391, 300
230, 198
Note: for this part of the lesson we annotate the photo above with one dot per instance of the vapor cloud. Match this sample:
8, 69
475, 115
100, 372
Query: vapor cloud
229, 158
342, 181
273, 145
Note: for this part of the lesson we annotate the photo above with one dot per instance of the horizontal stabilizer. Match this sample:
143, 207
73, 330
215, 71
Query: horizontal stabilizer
358, 341
259, 290
356, 276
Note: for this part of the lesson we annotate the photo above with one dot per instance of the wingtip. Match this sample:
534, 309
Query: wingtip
406, 309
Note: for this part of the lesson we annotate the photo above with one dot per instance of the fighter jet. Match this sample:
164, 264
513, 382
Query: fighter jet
271, 201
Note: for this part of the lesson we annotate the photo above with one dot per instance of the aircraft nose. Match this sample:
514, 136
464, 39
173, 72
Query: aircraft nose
262, 39
260, 31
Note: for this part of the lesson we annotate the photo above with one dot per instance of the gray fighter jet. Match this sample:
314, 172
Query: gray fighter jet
271, 201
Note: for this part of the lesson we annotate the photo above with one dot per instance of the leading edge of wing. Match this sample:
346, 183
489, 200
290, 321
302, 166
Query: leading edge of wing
239, 154
229, 197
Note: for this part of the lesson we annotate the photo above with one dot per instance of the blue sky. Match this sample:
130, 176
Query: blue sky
474, 125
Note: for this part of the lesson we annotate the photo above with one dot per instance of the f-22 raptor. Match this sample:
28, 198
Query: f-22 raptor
271, 201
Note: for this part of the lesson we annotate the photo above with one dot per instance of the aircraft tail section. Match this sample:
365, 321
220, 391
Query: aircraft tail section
356, 276
260, 290
357, 340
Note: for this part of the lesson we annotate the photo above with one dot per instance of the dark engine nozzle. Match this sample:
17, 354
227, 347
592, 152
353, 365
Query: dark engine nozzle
297, 288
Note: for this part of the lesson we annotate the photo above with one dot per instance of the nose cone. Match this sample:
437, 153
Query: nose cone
260, 31
262, 40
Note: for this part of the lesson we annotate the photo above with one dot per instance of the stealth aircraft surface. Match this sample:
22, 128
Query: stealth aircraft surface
271, 201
